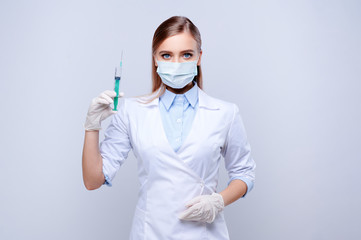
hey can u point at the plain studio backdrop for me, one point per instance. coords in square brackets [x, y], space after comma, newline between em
[292, 67]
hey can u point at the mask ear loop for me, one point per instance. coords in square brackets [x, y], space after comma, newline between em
[196, 76]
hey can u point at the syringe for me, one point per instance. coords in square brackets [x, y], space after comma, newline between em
[117, 77]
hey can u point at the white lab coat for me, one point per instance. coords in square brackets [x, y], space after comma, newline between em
[169, 179]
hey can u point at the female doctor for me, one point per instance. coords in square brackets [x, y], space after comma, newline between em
[178, 134]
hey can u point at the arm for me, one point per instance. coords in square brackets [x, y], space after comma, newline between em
[235, 190]
[238, 161]
[92, 162]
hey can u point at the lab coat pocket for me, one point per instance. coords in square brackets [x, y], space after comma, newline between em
[137, 232]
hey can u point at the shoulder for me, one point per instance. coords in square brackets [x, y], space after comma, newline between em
[210, 102]
[139, 104]
[142, 101]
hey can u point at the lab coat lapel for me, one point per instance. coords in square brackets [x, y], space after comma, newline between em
[205, 104]
[166, 147]
[199, 123]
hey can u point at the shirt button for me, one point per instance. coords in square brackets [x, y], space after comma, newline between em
[178, 139]
[179, 120]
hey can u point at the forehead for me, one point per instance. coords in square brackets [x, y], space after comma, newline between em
[178, 43]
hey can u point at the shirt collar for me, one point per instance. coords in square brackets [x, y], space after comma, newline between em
[205, 101]
[191, 95]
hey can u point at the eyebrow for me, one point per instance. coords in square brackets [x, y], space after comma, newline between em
[166, 51]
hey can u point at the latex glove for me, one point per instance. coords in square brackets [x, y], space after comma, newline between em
[203, 208]
[100, 109]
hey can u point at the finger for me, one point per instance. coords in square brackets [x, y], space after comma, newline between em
[194, 201]
[121, 94]
[106, 97]
[100, 100]
[110, 93]
[185, 215]
[192, 212]
[192, 216]
[107, 113]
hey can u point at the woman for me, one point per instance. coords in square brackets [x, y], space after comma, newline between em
[178, 134]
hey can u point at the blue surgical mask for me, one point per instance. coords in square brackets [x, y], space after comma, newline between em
[175, 74]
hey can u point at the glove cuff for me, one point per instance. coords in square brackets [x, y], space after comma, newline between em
[91, 126]
[218, 200]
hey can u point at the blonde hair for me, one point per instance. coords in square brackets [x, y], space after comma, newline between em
[171, 27]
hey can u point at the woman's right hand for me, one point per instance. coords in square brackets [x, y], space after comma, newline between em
[100, 109]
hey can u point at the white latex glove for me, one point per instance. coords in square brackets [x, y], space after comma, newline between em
[99, 109]
[203, 208]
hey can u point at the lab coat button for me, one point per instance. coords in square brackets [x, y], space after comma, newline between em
[179, 120]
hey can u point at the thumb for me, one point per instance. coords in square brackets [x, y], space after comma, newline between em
[107, 113]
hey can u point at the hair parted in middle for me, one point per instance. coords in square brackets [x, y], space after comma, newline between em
[171, 27]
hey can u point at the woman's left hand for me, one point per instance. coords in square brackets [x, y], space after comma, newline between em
[203, 208]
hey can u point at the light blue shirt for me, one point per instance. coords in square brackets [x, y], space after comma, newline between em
[177, 112]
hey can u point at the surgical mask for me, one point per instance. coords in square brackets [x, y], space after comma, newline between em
[175, 74]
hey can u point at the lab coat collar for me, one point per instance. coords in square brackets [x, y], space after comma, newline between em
[205, 101]
[143, 100]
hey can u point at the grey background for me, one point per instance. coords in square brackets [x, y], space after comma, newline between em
[292, 67]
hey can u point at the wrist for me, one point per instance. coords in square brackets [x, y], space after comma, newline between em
[92, 131]
[219, 200]
[91, 126]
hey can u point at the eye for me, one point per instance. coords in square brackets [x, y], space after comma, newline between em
[187, 55]
[166, 56]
